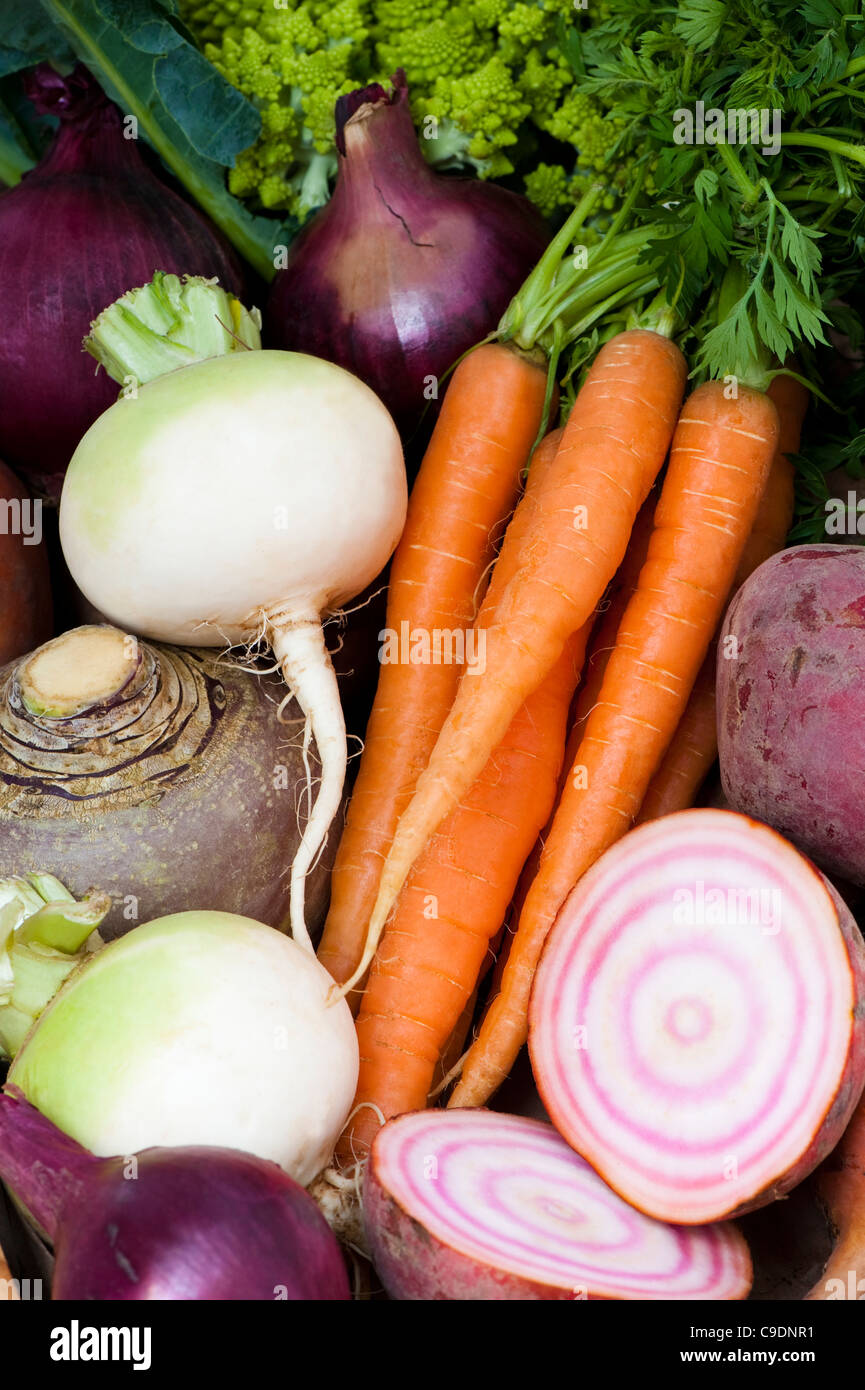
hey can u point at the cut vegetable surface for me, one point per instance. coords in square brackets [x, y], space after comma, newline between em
[697, 1024]
[237, 499]
[468, 1204]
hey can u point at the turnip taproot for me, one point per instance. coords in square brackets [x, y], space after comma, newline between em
[236, 499]
[157, 773]
[791, 701]
[697, 1022]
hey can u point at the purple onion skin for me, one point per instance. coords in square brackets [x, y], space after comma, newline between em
[88, 223]
[181, 1225]
[404, 270]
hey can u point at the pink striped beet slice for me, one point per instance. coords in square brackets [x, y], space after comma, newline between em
[475, 1205]
[697, 1022]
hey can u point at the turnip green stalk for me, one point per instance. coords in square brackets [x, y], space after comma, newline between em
[44, 935]
[170, 323]
[232, 496]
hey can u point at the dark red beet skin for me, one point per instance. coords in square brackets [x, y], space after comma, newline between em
[88, 223]
[791, 704]
[404, 269]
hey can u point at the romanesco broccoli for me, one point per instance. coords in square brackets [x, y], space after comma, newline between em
[491, 90]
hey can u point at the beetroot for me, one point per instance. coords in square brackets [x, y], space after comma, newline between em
[468, 1204]
[791, 701]
[697, 1022]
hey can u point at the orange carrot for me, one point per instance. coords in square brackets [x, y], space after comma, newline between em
[613, 445]
[434, 946]
[692, 751]
[694, 747]
[601, 641]
[453, 1048]
[607, 625]
[516, 533]
[719, 463]
[466, 487]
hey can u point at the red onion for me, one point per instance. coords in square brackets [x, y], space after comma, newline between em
[468, 1204]
[88, 223]
[186, 1224]
[697, 1021]
[404, 269]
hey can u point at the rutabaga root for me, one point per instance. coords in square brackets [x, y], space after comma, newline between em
[298, 644]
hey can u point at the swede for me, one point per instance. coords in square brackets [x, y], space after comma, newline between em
[236, 499]
[157, 773]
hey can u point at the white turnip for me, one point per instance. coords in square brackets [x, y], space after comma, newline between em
[236, 499]
[198, 1028]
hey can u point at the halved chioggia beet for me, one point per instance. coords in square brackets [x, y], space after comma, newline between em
[474, 1205]
[697, 1022]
